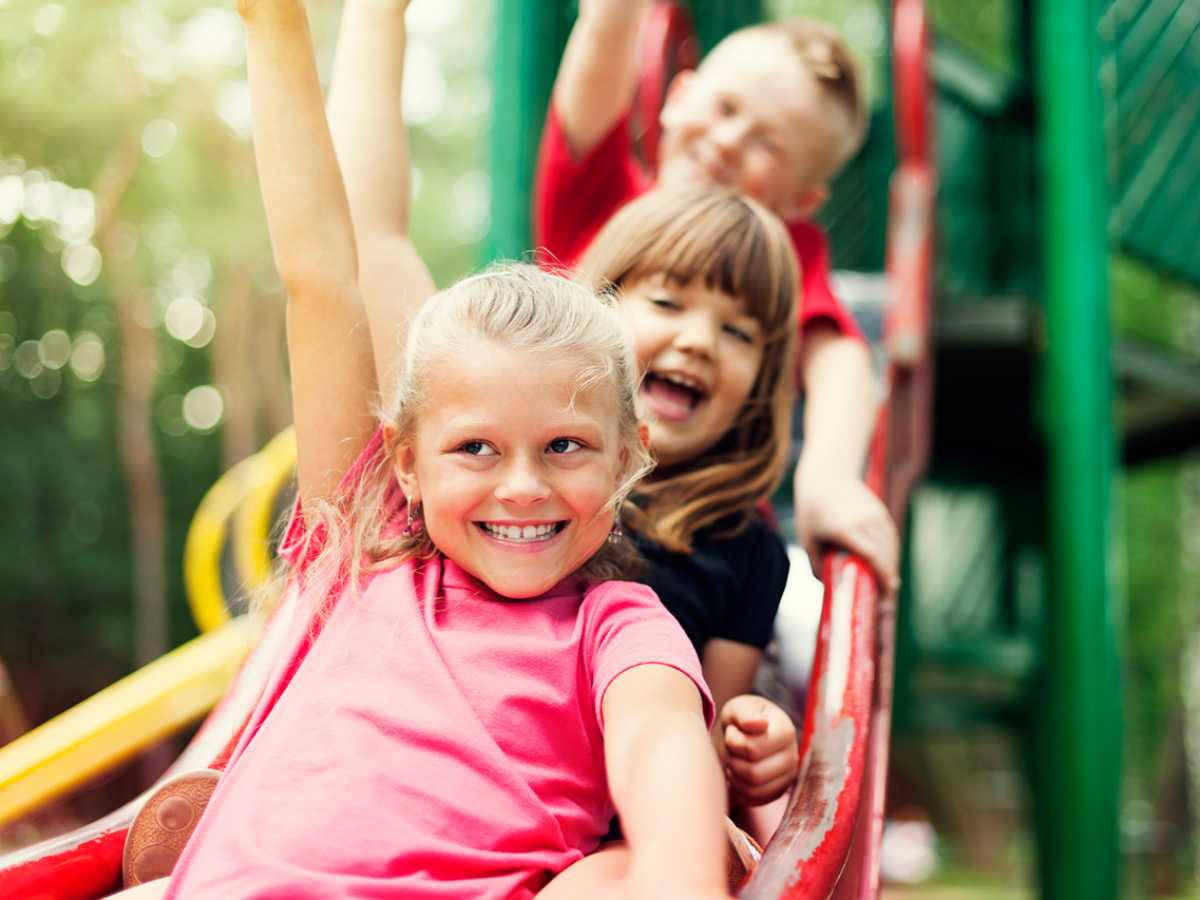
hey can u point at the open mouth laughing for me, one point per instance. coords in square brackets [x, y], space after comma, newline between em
[673, 396]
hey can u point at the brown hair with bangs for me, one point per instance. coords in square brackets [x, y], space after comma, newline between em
[730, 243]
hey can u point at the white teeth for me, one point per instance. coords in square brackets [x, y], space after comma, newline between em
[520, 533]
[684, 380]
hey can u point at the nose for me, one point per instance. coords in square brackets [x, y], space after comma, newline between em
[727, 134]
[521, 482]
[697, 334]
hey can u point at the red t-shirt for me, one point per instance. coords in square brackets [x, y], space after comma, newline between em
[573, 198]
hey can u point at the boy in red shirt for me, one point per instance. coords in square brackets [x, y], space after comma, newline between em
[774, 111]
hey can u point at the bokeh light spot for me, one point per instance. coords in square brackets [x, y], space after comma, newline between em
[208, 327]
[46, 384]
[87, 357]
[47, 19]
[203, 408]
[170, 415]
[184, 318]
[12, 198]
[28, 359]
[54, 349]
[82, 264]
[158, 137]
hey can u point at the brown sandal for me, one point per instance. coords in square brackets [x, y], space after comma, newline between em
[163, 825]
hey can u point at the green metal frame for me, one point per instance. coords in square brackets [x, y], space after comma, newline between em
[1077, 724]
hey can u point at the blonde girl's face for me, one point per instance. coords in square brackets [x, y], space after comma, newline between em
[699, 352]
[514, 466]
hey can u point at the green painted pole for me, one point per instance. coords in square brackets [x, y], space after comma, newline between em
[530, 36]
[1079, 719]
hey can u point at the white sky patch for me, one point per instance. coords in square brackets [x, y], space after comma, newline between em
[233, 107]
[212, 39]
[424, 85]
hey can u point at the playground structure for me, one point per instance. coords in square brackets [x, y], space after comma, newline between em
[1013, 195]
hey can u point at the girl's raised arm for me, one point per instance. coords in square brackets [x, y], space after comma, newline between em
[333, 380]
[365, 117]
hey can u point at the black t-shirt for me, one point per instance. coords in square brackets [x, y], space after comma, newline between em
[727, 587]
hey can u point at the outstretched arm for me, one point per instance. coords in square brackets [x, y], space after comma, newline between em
[599, 68]
[666, 784]
[833, 505]
[333, 381]
[366, 119]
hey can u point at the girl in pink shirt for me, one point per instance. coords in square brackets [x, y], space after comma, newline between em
[466, 694]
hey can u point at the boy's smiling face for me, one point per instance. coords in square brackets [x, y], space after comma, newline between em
[753, 118]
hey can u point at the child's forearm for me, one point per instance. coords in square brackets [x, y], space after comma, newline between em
[599, 69]
[666, 784]
[840, 403]
[313, 240]
[367, 122]
[365, 114]
[307, 212]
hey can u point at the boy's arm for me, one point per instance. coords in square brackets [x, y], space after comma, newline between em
[596, 79]
[333, 382]
[367, 122]
[833, 505]
[665, 783]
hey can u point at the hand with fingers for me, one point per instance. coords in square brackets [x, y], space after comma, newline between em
[758, 750]
[842, 513]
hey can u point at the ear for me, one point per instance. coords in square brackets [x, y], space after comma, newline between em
[644, 434]
[676, 91]
[404, 464]
[805, 202]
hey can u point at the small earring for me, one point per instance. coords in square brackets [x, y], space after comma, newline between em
[616, 533]
[412, 519]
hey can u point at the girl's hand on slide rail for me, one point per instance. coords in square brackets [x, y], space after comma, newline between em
[841, 512]
[759, 750]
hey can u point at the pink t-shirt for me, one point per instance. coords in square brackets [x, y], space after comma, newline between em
[433, 740]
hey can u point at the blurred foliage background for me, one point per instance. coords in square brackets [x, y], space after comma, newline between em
[141, 344]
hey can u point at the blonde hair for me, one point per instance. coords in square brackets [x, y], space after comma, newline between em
[821, 50]
[730, 243]
[516, 306]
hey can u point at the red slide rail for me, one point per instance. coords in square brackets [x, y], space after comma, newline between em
[828, 844]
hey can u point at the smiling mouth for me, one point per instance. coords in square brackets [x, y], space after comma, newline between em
[670, 398]
[522, 534]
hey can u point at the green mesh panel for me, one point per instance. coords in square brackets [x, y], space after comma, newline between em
[1150, 75]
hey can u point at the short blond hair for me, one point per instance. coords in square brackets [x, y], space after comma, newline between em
[822, 51]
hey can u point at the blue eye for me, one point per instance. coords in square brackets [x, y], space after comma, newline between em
[476, 448]
[564, 445]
